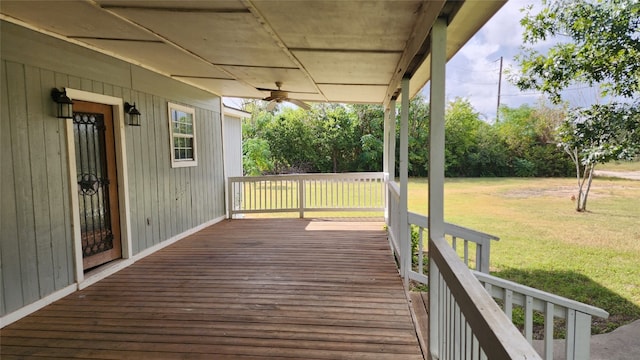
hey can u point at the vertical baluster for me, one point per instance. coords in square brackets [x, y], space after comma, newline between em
[528, 318]
[476, 348]
[457, 343]
[442, 315]
[582, 336]
[253, 195]
[570, 338]
[466, 252]
[468, 342]
[448, 324]
[508, 303]
[548, 331]
[341, 184]
[420, 251]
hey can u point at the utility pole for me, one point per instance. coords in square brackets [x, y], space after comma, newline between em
[499, 88]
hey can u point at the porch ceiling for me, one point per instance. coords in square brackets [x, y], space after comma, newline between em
[339, 51]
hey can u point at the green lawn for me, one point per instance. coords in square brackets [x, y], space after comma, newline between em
[620, 166]
[592, 257]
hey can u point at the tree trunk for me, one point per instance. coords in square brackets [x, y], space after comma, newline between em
[590, 168]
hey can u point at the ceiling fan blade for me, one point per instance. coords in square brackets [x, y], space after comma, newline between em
[272, 105]
[265, 89]
[299, 103]
[269, 98]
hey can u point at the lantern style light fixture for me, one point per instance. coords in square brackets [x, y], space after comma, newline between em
[64, 104]
[134, 114]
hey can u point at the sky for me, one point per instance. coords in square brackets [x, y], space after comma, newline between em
[473, 73]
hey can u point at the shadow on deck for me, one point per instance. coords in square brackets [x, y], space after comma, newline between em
[242, 289]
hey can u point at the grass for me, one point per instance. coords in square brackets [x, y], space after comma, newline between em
[590, 257]
[620, 166]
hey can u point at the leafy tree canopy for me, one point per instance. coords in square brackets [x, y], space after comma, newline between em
[602, 47]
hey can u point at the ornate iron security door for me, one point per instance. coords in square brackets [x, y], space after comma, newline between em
[97, 183]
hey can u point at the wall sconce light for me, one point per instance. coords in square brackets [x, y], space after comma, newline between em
[134, 114]
[65, 105]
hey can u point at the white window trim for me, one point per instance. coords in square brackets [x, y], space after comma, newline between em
[182, 163]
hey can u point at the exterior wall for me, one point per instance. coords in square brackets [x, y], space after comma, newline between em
[36, 236]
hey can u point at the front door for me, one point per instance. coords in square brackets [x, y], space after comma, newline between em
[97, 183]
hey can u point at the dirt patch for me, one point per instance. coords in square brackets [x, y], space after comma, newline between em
[630, 175]
[567, 192]
[562, 191]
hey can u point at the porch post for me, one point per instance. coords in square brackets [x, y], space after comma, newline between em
[405, 240]
[436, 165]
[436, 129]
[389, 152]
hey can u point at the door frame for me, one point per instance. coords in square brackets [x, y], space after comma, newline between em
[117, 105]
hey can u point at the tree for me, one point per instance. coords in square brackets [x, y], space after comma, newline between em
[603, 49]
[256, 157]
[599, 134]
[529, 133]
[462, 124]
[333, 126]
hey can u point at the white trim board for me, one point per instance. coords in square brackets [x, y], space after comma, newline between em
[35, 306]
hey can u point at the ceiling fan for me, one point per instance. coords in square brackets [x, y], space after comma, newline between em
[278, 96]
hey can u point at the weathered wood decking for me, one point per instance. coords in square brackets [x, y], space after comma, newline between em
[242, 289]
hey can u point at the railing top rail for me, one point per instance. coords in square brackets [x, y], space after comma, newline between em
[359, 175]
[556, 299]
[452, 229]
[479, 308]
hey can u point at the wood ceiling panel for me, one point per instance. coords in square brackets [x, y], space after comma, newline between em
[293, 80]
[229, 88]
[73, 19]
[225, 5]
[362, 25]
[221, 38]
[161, 57]
[355, 93]
[349, 68]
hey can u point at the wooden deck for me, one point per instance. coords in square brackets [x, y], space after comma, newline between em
[241, 289]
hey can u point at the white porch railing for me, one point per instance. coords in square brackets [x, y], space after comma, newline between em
[467, 325]
[469, 240]
[350, 192]
[464, 321]
[577, 315]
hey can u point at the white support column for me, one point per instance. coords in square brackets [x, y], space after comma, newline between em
[436, 129]
[391, 166]
[385, 140]
[405, 235]
[385, 163]
[436, 167]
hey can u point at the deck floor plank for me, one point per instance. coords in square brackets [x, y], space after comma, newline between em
[242, 289]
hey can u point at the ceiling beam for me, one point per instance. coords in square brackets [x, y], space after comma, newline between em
[429, 12]
[269, 30]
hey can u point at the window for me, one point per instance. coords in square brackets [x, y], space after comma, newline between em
[182, 127]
